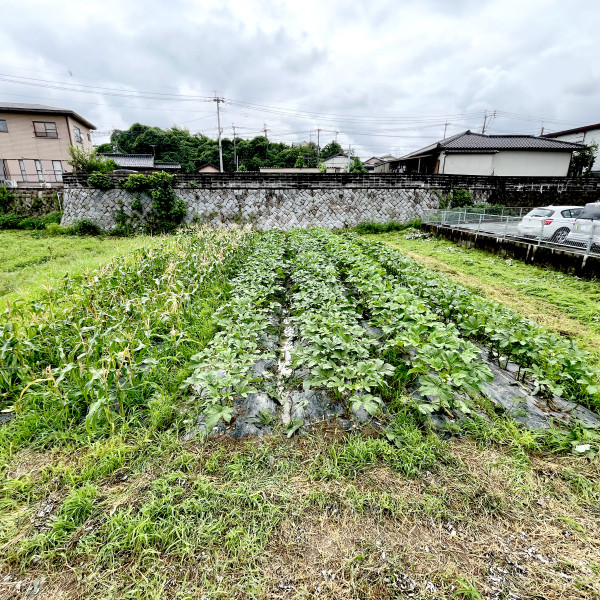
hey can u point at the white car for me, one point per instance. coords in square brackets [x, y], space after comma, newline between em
[552, 223]
[586, 229]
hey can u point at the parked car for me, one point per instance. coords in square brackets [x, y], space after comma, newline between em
[586, 229]
[552, 223]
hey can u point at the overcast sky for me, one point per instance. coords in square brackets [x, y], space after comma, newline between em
[386, 75]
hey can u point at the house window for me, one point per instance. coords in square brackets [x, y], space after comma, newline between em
[89, 137]
[78, 137]
[58, 171]
[40, 172]
[23, 171]
[47, 130]
[3, 125]
[2, 169]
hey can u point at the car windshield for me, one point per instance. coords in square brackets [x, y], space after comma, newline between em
[540, 212]
[591, 211]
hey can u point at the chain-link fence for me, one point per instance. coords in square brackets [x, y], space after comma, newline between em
[577, 235]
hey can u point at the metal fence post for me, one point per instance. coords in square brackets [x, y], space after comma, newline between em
[505, 228]
[479, 225]
[589, 244]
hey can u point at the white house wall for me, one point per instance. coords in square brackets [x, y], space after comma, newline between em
[511, 164]
[532, 164]
[466, 164]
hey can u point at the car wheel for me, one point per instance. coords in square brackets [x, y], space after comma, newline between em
[560, 236]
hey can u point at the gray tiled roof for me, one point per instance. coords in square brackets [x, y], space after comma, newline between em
[477, 142]
[141, 161]
[24, 107]
[144, 161]
[166, 165]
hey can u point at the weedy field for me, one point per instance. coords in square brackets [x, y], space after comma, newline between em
[380, 465]
[31, 260]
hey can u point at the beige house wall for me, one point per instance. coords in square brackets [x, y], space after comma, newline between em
[21, 143]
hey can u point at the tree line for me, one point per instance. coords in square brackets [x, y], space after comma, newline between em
[192, 151]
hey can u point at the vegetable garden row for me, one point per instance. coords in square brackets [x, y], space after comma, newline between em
[186, 325]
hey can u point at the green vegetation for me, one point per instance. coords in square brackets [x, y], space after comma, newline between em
[191, 151]
[100, 180]
[88, 161]
[12, 221]
[6, 197]
[103, 497]
[457, 199]
[366, 227]
[29, 262]
[356, 166]
[168, 210]
[582, 161]
[561, 303]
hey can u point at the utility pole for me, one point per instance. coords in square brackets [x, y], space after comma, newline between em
[486, 121]
[349, 153]
[445, 127]
[218, 101]
[235, 162]
[266, 131]
[318, 144]
[542, 131]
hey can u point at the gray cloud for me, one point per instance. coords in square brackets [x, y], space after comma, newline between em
[400, 70]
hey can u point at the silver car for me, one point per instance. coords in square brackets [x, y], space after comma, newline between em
[586, 229]
[553, 223]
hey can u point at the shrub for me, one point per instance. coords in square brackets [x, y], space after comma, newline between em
[54, 229]
[10, 221]
[6, 197]
[100, 181]
[369, 227]
[88, 161]
[31, 223]
[461, 198]
[136, 183]
[52, 218]
[84, 227]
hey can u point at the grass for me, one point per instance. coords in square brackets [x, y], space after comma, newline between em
[29, 261]
[492, 511]
[258, 519]
[562, 303]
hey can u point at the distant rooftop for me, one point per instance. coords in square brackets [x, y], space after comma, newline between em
[21, 107]
[576, 130]
[141, 161]
[477, 142]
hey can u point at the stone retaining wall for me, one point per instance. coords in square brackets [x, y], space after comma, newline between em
[264, 208]
[329, 200]
[33, 202]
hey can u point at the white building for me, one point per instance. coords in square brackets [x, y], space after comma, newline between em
[588, 135]
[338, 163]
[470, 153]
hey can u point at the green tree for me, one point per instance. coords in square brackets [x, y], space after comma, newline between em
[356, 166]
[582, 161]
[331, 149]
[88, 161]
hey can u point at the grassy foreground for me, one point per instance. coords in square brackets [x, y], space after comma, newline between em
[562, 303]
[29, 260]
[492, 512]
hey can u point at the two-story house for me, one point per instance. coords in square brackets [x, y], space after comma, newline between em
[35, 140]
